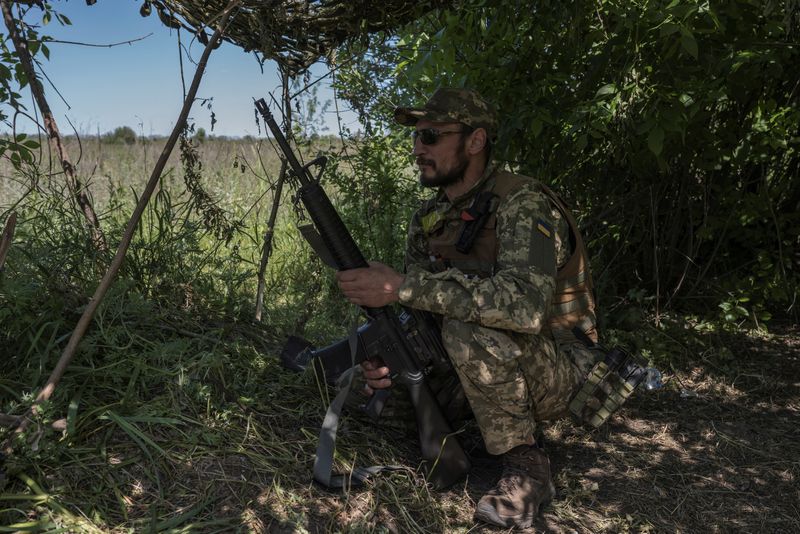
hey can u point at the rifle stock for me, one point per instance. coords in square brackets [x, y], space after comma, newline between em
[446, 460]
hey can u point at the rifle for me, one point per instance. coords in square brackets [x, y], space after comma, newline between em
[387, 339]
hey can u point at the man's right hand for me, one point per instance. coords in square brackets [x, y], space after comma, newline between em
[377, 375]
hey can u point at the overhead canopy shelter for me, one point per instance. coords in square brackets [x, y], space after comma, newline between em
[295, 33]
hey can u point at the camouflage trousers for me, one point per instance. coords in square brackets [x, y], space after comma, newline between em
[508, 381]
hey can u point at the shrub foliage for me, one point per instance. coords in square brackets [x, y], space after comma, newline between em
[671, 126]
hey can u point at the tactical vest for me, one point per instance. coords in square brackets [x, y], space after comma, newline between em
[573, 302]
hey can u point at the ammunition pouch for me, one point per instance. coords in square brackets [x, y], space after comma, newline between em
[609, 384]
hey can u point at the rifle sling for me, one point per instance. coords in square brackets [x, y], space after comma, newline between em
[323, 462]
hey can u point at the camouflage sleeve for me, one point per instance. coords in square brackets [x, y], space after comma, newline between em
[517, 297]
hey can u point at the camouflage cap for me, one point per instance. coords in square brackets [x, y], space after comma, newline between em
[453, 105]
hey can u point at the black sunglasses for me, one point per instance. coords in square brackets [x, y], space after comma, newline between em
[430, 136]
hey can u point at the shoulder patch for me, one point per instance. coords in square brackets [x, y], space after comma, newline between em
[543, 248]
[544, 228]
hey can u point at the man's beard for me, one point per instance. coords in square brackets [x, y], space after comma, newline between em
[440, 179]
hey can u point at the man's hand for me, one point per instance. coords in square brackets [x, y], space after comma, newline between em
[372, 287]
[377, 375]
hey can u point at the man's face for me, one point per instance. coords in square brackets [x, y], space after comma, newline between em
[443, 162]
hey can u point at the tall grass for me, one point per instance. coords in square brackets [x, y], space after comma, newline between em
[175, 413]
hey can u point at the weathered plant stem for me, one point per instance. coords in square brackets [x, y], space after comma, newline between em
[267, 250]
[116, 263]
[7, 237]
[77, 190]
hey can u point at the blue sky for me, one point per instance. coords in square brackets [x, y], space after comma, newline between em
[139, 84]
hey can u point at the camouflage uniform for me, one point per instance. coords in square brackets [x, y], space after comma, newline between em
[495, 328]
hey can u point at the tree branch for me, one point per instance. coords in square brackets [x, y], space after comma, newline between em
[110, 45]
[75, 187]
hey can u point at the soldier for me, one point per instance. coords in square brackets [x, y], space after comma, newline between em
[508, 294]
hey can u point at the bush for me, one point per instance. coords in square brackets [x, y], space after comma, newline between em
[670, 127]
[122, 135]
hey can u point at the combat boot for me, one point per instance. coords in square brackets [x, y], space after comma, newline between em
[523, 488]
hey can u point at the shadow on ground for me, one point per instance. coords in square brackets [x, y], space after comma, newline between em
[717, 450]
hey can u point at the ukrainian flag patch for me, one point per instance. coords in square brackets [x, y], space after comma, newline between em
[544, 228]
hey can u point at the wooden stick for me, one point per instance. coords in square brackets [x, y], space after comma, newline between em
[116, 263]
[267, 250]
[77, 190]
[7, 237]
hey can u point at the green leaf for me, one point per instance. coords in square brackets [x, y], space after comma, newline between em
[142, 439]
[72, 416]
[645, 126]
[536, 127]
[655, 140]
[20, 75]
[607, 89]
[688, 42]
[668, 28]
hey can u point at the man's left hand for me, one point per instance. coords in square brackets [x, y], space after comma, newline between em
[372, 287]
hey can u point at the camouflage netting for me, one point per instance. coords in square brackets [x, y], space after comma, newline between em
[295, 33]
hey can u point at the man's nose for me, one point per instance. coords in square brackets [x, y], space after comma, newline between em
[418, 147]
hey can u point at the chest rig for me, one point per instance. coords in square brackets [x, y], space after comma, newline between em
[467, 240]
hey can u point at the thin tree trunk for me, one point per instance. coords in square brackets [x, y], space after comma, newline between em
[267, 250]
[116, 263]
[73, 183]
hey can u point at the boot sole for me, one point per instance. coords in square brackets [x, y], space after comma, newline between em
[488, 514]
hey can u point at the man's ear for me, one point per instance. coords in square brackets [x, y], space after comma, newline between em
[477, 141]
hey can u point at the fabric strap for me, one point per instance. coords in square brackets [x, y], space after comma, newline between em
[323, 461]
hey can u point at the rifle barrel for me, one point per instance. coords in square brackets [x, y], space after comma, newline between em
[294, 163]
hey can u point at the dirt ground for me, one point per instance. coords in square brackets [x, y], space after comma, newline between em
[715, 450]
